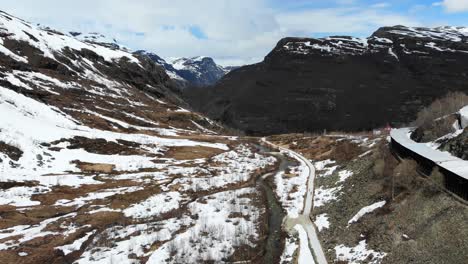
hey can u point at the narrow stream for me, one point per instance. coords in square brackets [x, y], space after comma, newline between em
[275, 213]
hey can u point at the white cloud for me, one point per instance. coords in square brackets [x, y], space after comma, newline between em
[381, 5]
[236, 30]
[454, 5]
[339, 20]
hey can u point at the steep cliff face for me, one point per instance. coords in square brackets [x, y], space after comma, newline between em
[341, 83]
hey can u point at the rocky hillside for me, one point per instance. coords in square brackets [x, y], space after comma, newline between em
[371, 208]
[341, 83]
[190, 72]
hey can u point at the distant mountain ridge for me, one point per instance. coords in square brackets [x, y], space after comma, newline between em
[196, 71]
[341, 82]
[185, 72]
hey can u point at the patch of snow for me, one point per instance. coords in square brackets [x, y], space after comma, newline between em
[321, 221]
[212, 228]
[393, 54]
[102, 194]
[290, 247]
[155, 205]
[28, 232]
[76, 245]
[323, 196]
[358, 254]
[131, 239]
[27, 123]
[366, 210]
[464, 117]
[291, 189]
[365, 154]
[21, 196]
[234, 166]
[344, 174]
[320, 165]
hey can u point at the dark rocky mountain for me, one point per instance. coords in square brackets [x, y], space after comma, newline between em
[341, 82]
[170, 70]
[190, 72]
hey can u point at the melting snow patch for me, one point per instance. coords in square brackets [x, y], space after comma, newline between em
[357, 254]
[80, 201]
[290, 247]
[366, 210]
[320, 165]
[155, 205]
[76, 245]
[321, 221]
[225, 220]
[292, 189]
[464, 116]
[27, 232]
[365, 153]
[323, 196]
[344, 174]
[21, 196]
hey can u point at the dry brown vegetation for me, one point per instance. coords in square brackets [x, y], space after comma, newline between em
[447, 105]
[87, 167]
[190, 153]
[421, 224]
[399, 177]
[13, 152]
[436, 120]
[319, 147]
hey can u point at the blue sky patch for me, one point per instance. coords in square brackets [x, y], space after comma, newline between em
[197, 32]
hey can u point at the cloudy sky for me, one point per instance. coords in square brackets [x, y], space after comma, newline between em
[232, 31]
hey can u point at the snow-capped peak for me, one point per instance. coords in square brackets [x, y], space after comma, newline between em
[195, 71]
[51, 42]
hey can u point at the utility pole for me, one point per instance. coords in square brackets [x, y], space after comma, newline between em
[393, 185]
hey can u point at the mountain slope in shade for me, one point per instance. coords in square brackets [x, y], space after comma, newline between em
[341, 82]
[170, 70]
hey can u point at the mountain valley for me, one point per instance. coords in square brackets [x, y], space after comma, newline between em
[109, 155]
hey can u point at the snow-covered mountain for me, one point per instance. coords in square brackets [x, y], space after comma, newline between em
[97, 38]
[195, 72]
[101, 163]
[199, 71]
[170, 70]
